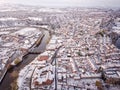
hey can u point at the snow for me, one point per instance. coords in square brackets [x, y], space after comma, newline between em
[26, 46]
[44, 78]
[52, 41]
[22, 74]
[0, 39]
[7, 10]
[27, 31]
[26, 41]
[49, 10]
[8, 18]
[4, 51]
[51, 47]
[8, 44]
[4, 33]
[35, 18]
[44, 26]
[73, 65]
[44, 54]
[116, 27]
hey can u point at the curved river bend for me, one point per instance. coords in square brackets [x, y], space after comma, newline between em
[11, 76]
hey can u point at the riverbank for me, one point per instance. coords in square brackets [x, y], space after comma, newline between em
[26, 59]
[42, 63]
[18, 59]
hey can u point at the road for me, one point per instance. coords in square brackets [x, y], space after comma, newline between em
[54, 60]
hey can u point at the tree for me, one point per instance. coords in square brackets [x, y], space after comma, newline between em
[17, 60]
[79, 53]
[99, 85]
[101, 33]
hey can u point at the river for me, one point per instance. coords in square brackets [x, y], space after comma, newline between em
[11, 75]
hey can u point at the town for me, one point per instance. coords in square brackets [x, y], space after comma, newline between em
[82, 53]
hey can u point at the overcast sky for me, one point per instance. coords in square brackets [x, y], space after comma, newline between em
[64, 3]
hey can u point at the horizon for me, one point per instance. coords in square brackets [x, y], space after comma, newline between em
[66, 3]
